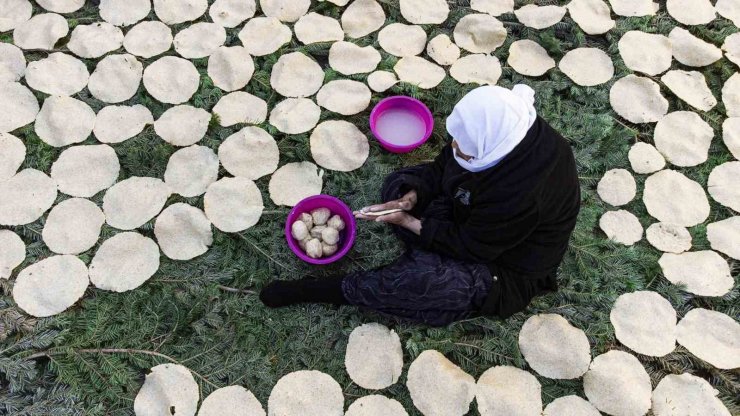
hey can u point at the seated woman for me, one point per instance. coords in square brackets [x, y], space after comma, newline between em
[486, 224]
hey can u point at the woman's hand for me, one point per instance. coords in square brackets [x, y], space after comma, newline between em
[406, 203]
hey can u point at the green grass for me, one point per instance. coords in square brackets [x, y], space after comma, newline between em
[193, 313]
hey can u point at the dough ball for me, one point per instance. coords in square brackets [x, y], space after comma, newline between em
[540, 17]
[264, 35]
[12, 63]
[731, 135]
[182, 125]
[124, 12]
[171, 80]
[645, 158]
[315, 28]
[307, 219]
[439, 387]
[13, 253]
[13, 13]
[251, 152]
[148, 39]
[190, 170]
[294, 182]
[339, 145]
[116, 78]
[134, 201]
[691, 12]
[233, 204]
[587, 66]
[617, 384]
[231, 13]
[63, 121]
[306, 392]
[420, 72]
[50, 286]
[174, 12]
[285, 10]
[73, 226]
[692, 51]
[380, 81]
[690, 86]
[296, 75]
[724, 236]
[57, 74]
[686, 393]
[115, 124]
[638, 99]
[199, 40]
[479, 33]
[505, 390]
[621, 226]
[95, 40]
[669, 238]
[553, 347]
[295, 115]
[631, 8]
[570, 406]
[231, 400]
[648, 53]
[375, 405]
[230, 68]
[442, 50]
[336, 223]
[12, 155]
[477, 69]
[83, 171]
[328, 249]
[729, 9]
[374, 357]
[722, 185]
[645, 322]
[492, 7]
[124, 262]
[316, 231]
[529, 58]
[402, 40]
[617, 187]
[344, 96]
[424, 12]
[362, 17]
[240, 107]
[299, 230]
[167, 387]
[731, 95]
[350, 59]
[183, 232]
[711, 336]
[683, 138]
[703, 273]
[671, 197]
[320, 216]
[42, 31]
[26, 196]
[593, 16]
[314, 249]
[330, 236]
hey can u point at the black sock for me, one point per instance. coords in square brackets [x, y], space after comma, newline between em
[282, 293]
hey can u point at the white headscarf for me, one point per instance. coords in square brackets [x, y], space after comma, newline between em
[489, 122]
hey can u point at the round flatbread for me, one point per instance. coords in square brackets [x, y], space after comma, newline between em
[12, 155]
[13, 253]
[374, 357]
[349, 59]
[692, 51]
[711, 336]
[18, 106]
[296, 75]
[648, 53]
[339, 145]
[344, 96]
[95, 40]
[731, 95]
[420, 72]
[587, 66]
[617, 384]
[315, 28]
[492, 7]
[621, 226]
[50, 286]
[26, 196]
[570, 406]
[402, 40]
[306, 392]
[285, 10]
[645, 158]
[12, 63]
[190, 170]
[638, 99]
[173, 12]
[691, 12]
[540, 17]
[690, 86]
[295, 115]
[42, 31]
[645, 322]
[380, 81]
[479, 33]
[731, 47]
[231, 13]
[233, 204]
[57, 74]
[115, 124]
[439, 387]
[425, 12]
[63, 121]
[294, 182]
[375, 405]
[669, 238]
[671, 197]
[61, 6]
[685, 392]
[230, 68]
[124, 12]
[251, 152]
[73, 226]
[724, 236]
[231, 401]
[593, 16]
[632, 8]
[171, 80]
[722, 185]
[13, 13]
[124, 262]
[683, 138]
[199, 40]
[553, 347]
[240, 107]
[264, 35]
[167, 387]
[83, 171]
[617, 187]
[442, 50]
[729, 9]
[731, 135]
[182, 125]
[476, 69]
[132, 202]
[703, 273]
[527, 57]
[116, 78]
[183, 232]
[148, 39]
[505, 390]
[362, 17]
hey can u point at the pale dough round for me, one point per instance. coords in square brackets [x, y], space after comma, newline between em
[671, 197]
[669, 238]
[570, 406]
[621, 226]
[264, 35]
[593, 16]
[231, 13]
[51, 285]
[173, 12]
[420, 72]
[124, 12]
[731, 46]
[116, 78]
[13, 253]
[692, 51]
[711, 336]
[645, 322]
[553, 347]
[12, 63]
[424, 12]
[724, 236]
[375, 405]
[731, 135]
[439, 387]
[617, 384]
[691, 12]
[251, 152]
[63, 121]
[167, 387]
[402, 40]
[183, 232]
[374, 357]
[638, 99]
[148, 39]
[617, 187]
[73, 226]
[61, 6]
[83, 171]
[631, 8]
[723, 185]
[703, 273]
[527, 57]
[294, 182]
[230, 68]
[729, 9]
[285, 10]
[182, 125]
[199, 40]
[587, 66]
[231, 401]
[95, 40]
[12, 155]
[648, 53]
[296, 75]
[171, 80]
[505, 390]
[124, 262]
[13, 13]
[134, 201]
[479, 33]
[115, 124]
[380, 81]
[683, 138]
[26, 196]
[240, 107]
[190, 170]
[645, 158]
[362, 17]
[57, 74]
[540, 17]
[306, 392]
[315, 28]
[295, 115]
[492, 7]
[344, 96]
[476, 69]
[690, 86]
[686, 394]
[42, 31]
[731, 95]
[233, 204]
[442, 50]
[350, 59]
[339, 145]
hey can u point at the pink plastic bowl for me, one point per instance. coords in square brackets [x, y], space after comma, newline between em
[413, 108]
[346, 236]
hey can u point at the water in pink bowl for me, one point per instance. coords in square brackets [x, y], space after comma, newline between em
[400, 126]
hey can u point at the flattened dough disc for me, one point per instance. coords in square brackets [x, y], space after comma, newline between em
[51, 285]
[183, 232]
[124, 262]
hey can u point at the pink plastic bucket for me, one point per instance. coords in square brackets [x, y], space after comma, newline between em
[346, 236]
[401, 124]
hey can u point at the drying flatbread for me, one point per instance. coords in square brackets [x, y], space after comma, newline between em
[638, 99]
[134, 201]
[374, 357]
[231, 401]
[115, 124]
[50, 286]
[349, 59]
[722, 185]
[12, 63]
[251, 152]
[731, 95]
[731, 46]
[479, 33]
[116, 78]
[73, 226]
[621, 226]
[380, 81]
[83, 171]
[148, 39]
[476, 69]
[13, 253]
[264, 35]
[692, 51]
[587, 66]
[703, 273]
[442, 50]
[492, 7]
[233, 204]
[683, 138]
[171, 80]
[296, 75]
[26, 196]
[307, 392]
[294, 182]
[645, 322]
[617, 187]
[231, 13]
[339, 145]
[438, 387]
[344, 96]
[124, 262]
[375, 405]
[711, 336]
[314, 28]
[18, 106]
[42, 31]
[617, 384]
[295, 115]
[425, 12]
[671, 197]
[285, 10]
[190, 170]
[539, 17]
[173, 12]
[57, 74]
[61, 6]
[527, 57]
[645, 158]
[691, 12]
[505, 390]
[199, 40]
[12, 155]
[182, 125]
[690, 86]
[724, 236]
[593, 16]
[169, 389]
[230, 68]
[362, 17]
[669, 238]
[183, 232]
[63, 121]
[553, 347]
[402, 40]
[240, 107]
[630, 8]
[420, 72]
[731, 135]
[684, 393]
[648, 53]
[13, 13]
[124, 12]
[95, 40]
[729, 9]
[570, 406]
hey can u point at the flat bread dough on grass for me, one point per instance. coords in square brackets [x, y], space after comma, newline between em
[296, 75]
[182, 125]
[42, 31]
[671, 197]
[540, 17]
[251, 152]
[505, 390]
[680, 394]
[57, 74]
[148, 39]
[554, 348]
[13, 253]
[476, 69]
[492, 7]
[691, 12]
[13, 13]
[729, 9]
[285, 10]
[306, 392]
[425, 12]
[669, 238]
[692, 51]
[374, 357]
[402, 40]
[26, 196]
[166, 388]
[350, 59]
[703, 273]
[190, 170]
[648, 53]
[83, 171]
[183, 232]
[587, 66]
[380, 81]
[420, 72]
[12, 155]
[295, 115]
[723, 185]
[731, 47]
[51, 285]
[12, 63]
[362, 17]
[442, 50]
[124, 12]
[621, 226]
[711, 336]
[173, 12]
[231, 401]
[61, 6]
[264, 35]
[95, 40]
[117, 123]
[724, 236]
[344, 96]
[690, 86]
[638, 99]
[240, 107]
[124, 262]
[438, 387]
[63, 121]
[731, 135]
[375, 405]
[231, 13]
[617, 187]
[116, 78]
[339, 145]
[731, 95]
[233, 204]
[617, 384]
[593, 16]
[171, 80]
[230, 68]
[315, 28]
[199, 40]
[73, 226]
[527, 57]
[134, 201]
[479, 33]
[645, 158]
[645, 322]
[570, 406]
[631, 8]
[683, 138]
[293, 182]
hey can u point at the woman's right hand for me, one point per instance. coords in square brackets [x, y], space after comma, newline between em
[406, 203]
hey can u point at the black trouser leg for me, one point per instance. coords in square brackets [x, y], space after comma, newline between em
[282, 293]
